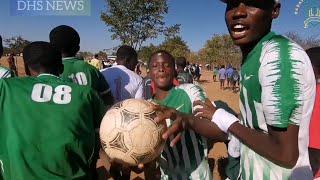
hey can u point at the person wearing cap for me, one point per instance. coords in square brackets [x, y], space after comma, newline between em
[314, 142]
[276, 98]
[47, 124]
[4, 72]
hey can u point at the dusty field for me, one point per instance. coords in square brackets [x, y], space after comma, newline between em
[218, 151]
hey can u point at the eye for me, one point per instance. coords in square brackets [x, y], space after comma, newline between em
[166, 65]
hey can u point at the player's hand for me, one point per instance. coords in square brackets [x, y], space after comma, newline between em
[205, 110]
[178, 125]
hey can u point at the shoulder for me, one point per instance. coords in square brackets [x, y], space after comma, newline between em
[279, 48]
[5, 72]
[194, 92]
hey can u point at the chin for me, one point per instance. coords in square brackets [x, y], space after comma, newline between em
[165, 87]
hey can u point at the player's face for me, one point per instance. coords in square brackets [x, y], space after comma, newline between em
[162, 71]
[249, 20]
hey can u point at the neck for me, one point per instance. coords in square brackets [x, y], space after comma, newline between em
[161, 94]
[64, 55]
[246, 49]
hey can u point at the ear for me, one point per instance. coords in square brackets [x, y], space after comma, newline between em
[276, 10]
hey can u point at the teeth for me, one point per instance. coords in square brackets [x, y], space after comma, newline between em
[238, 26]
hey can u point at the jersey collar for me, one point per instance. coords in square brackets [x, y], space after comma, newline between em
[68, 58]
[46, 75]
[260, 44]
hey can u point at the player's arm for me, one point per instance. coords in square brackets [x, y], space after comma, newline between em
[202, 126]
[139, 93]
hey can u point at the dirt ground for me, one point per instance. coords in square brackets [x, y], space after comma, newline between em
[218, 151]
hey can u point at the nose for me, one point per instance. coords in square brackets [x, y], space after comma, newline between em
[240, 11]
[161, 68]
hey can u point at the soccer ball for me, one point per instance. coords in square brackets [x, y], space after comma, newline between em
[129, 135]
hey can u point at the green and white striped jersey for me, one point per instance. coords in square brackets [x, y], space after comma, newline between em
[188, 159]
[277, 89]
[5, 73]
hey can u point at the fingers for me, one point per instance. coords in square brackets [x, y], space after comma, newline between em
[175, 140]
[165, 113]
[175, 128]
[198, 103]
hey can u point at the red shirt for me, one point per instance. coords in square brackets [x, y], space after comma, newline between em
[314, 141]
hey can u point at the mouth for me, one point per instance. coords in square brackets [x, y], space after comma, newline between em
[239, 30]
[162, 78]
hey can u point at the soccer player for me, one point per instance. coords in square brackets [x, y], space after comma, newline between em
[229, 73]
[222, 76]
[4, 72]
[124, 82]
[188, 159]
[277, 95]
[183, 76]
[47, 124]
[314, 142]
[67, 40]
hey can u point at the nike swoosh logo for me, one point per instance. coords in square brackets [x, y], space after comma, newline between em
[178, 108]
[247, 77]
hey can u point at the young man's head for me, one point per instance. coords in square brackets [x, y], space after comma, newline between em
[66, 40]
[250, 20]
[96, 56]
[127, 57]
[1, 47]
[42, 57]
[162, 70]
[314, 55]
[181, 63]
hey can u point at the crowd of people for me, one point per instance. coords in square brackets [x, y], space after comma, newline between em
[50, 119]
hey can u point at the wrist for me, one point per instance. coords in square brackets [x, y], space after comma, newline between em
[223, 119]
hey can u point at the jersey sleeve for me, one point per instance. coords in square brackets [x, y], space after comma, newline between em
[101, 86]
[287, 84]
[139, 93]
[194, 92]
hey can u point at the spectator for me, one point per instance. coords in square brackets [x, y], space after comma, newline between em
[222, 77]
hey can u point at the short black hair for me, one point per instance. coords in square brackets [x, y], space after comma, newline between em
[126, 53]
[40, 55]
[96, 55]
[162, 53]
[314, 55]
[66, 39]
[1, 47]
[181, 62]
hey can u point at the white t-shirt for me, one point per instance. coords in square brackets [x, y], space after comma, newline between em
[124, 83]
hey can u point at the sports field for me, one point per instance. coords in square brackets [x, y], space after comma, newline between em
[213, 91]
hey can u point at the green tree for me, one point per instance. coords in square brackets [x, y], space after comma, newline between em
[176, 46]
[146, 51]
[15, 44]
[135, 21]
[220, 49]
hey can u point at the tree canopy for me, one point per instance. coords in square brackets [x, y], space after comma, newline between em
[15, 45]
[135, 21]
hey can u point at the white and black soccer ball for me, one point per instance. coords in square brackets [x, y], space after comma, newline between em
[129, 135]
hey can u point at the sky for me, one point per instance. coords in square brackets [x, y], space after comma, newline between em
[199, 19]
